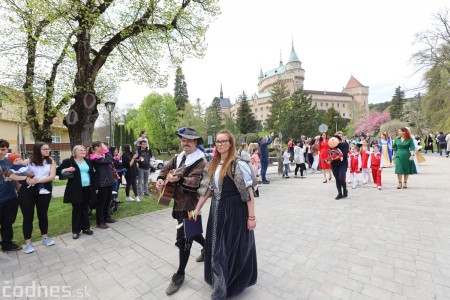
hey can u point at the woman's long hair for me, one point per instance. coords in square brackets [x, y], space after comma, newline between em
[127, 151]
[37, 158]
[226, 166]
[321, 138]
[407, 135]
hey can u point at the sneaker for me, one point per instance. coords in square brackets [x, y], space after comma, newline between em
[354, 187]
[48, 241]
[75, 235]
[114, 192]
[130, 199]
[88, 232]
[29, 248]
[338, 197]
[137, 199]
[44, 192]
[11, 246]
[295, 176]
[286, 177]
[379, 188]
[175, 284]
[266, 182]
[146, 194]
[345, 195]
[201, 257]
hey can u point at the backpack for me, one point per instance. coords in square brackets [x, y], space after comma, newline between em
[254, 180]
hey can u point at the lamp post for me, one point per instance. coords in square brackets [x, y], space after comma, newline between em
[110, 108]
[121, 123]
[213, 127]
[336, 118]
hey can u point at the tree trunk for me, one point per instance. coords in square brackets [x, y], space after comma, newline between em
[81, 132]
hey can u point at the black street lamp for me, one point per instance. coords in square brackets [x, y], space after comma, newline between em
[336, 118]
[110, 108]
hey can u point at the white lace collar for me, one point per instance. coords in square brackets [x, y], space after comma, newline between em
[191, 158]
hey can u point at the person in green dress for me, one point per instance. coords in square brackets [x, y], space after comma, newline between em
[403, 152]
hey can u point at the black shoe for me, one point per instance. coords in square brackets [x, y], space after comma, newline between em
[266, 182]
[345, 194]
[175, 284]
[75, 236]
[338, 197]
[201, 257]
[110, 220]
[88, 232]
[11, 246]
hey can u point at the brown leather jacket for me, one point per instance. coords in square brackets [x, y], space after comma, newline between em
[185, 195]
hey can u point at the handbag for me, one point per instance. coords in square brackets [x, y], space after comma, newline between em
[66, 175]
[116, 175]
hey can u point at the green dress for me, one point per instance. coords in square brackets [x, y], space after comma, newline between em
[402, 150]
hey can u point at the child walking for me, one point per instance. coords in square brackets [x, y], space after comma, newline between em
[286, 161]
[299, 159]
[365, 154]
[376, 163]
[255, 161]
[355, 165]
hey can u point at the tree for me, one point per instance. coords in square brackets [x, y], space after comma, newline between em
[157, 114]
[181, 96]
[299, 116]
[198, 109]
[434, 57]
[245, 120]
[328, 119]
[103, 41]
[372, 122]
[187, 118]
[278, 94]
[398, 100]
[214, 117]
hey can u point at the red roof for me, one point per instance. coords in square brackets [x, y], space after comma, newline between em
[353, 82]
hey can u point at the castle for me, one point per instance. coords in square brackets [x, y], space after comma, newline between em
[351, 102]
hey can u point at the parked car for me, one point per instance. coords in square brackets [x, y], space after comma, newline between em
[156, 163]
[208, 154]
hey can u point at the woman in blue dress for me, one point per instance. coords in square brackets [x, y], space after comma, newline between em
[230, 251]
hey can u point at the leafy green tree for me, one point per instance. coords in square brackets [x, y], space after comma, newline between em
[278, 94]
[157, 114]
[230, 124]
[187, 118]
[328, 119]
[299, 116]
[214, 117]
[245, 121]
[181, 96]
[398, 100]
[198, 109]
[58, 52]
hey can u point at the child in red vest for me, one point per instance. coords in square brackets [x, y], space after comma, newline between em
[355, 165]
[375, 163]
[365, 154]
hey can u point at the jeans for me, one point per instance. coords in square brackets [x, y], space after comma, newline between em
[264, 166]
[339, 174]
[143, 181]
[286, 170]
[8, 213]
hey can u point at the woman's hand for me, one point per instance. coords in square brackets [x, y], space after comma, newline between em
[71, 169]
[411, 157]
[196, 211]
[251, 224]
[159, 184]
[32, 181]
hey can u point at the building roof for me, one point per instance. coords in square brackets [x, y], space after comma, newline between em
[225, 102]
[353, 82]
[293, 57]
[277, 71]
[311, 92]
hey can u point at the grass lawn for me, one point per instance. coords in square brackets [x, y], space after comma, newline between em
[58, 182]
[60, 216]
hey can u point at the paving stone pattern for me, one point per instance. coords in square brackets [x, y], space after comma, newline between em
[388, 244]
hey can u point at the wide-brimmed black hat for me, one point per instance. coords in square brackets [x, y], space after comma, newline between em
[190, 134]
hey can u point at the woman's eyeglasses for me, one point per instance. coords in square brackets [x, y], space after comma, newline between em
[221, 142]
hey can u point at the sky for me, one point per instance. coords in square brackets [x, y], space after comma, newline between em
[373, 40]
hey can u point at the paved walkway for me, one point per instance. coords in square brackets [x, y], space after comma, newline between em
[389, 244]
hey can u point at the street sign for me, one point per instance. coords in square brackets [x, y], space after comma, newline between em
[323, 128]
[210, 140]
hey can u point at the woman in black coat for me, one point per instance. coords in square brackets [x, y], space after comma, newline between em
[78, 189]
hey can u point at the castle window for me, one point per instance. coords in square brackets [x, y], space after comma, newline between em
[338, 105]
[343, 114]
[267, 108]
[321, 104]
[262, 117]
[261, 109]
[256, 110]
[326, 104]
[56, 138]
[343, 104]
[332, 104]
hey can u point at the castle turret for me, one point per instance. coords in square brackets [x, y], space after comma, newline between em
[360, 94]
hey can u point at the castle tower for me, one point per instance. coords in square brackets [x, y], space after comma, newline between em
[360, 94]
[294, 68]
